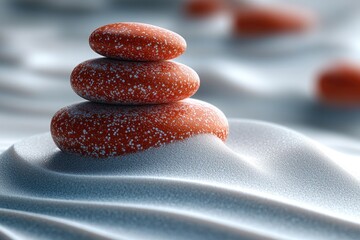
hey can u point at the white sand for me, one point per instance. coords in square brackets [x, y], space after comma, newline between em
[267, 181]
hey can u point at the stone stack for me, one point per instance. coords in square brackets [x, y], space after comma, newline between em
[137, 97]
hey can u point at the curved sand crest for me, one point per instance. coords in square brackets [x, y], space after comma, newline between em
[267, 181]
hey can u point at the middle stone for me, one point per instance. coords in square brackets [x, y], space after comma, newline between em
[111, 81]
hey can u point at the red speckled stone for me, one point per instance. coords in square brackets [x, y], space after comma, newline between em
[100, 130]
[136, 42]
[122, 82]
[254, 21]
[339, 84]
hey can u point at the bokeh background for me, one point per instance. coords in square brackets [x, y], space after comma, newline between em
[264, 78]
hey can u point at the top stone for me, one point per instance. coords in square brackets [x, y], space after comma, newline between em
[136, 42]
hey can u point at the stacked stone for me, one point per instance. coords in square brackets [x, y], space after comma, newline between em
[138, 98]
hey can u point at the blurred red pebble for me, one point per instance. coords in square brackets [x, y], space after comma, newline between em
[255, 21]
[339, 84]
[204, 8]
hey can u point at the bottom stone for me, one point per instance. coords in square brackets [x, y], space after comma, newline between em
[100, 130]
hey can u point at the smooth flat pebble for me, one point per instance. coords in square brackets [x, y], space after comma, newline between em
[100, 130]
[136, 42]
[122, 82]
